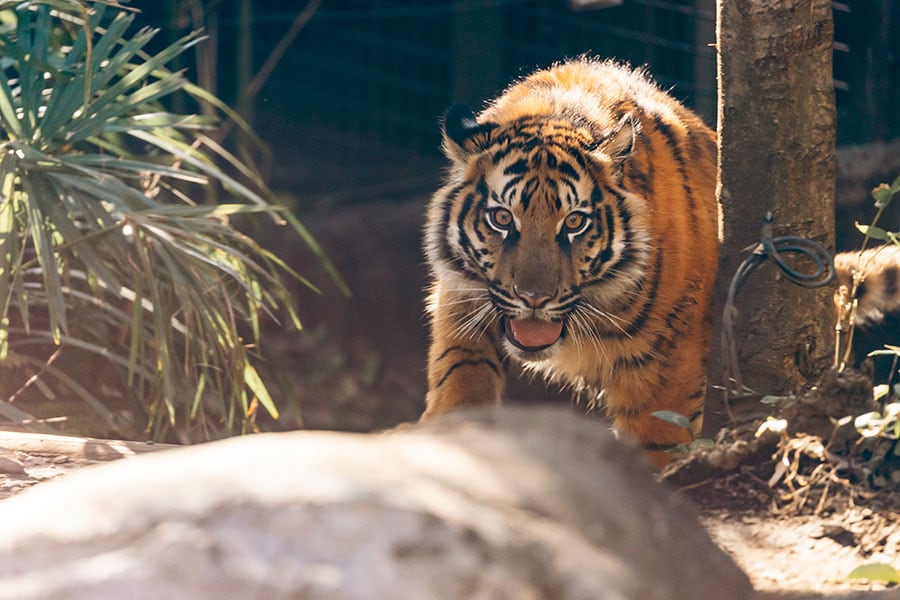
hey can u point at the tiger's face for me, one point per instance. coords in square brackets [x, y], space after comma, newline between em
[536, 229]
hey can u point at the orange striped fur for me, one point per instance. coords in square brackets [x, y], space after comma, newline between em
[577, 233]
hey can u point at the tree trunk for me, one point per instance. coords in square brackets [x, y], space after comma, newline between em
[776, 137]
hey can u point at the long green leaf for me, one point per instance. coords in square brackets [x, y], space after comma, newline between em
[163, 341]
[8, 241]
[67, 95]
[49, 262]
[205, 96]
[29, 92]
[189, 156]
[135, 347]
[134, 74]
[8, 102]
[61, 222]
[108, 189]
[108, 164]
[253, 381]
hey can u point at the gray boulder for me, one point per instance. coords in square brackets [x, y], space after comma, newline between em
[509, 503]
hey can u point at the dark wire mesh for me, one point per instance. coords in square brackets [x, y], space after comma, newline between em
[364, 84]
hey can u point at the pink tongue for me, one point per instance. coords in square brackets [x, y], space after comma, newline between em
[535, 333]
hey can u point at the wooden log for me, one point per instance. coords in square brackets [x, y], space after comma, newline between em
[76, 447]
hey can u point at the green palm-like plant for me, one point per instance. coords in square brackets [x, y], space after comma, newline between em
[102, 248]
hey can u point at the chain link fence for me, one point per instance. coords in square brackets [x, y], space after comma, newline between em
[352, 109]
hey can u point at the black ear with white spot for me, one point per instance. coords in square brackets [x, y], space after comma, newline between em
[617, 143]
[463, 134]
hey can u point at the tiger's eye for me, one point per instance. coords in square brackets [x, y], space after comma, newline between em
[575, 221]
[500, 218]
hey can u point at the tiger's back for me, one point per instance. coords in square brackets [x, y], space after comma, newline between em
[577, 233]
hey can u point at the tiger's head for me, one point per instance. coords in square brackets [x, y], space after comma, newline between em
[534, 227]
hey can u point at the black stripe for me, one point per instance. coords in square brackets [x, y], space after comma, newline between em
[464, 211]
[570, 295]
[678, 156]
[503, 146]
[476, 362]
[637, 361]
[606, 254]
[640, 320]
[577, 156]
[508, 185]
[654, 447]
[573, 193]
[640, 170]
[500, 298]
[449, 201]
[461, 218]
[568, 170]
[890, 282]
[464, 241]
[462, 349]
[471, 352]
[517, 168]
[528, 191]
[550, 159]
[630, 254]
[553, 192]
[481, 187]
[702, 147]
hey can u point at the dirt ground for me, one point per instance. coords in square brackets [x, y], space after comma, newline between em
[791, 555]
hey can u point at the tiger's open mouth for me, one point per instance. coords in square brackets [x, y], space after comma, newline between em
[533, 335]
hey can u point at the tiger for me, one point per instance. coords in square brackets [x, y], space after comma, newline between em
[576, 233]
[867, 299]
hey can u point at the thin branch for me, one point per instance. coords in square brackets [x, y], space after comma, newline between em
[36, 376]
[280, 49]
[259, 80]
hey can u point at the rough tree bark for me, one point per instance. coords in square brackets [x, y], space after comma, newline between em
[776, 121]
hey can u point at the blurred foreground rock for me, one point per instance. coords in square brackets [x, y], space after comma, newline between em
[513, 503]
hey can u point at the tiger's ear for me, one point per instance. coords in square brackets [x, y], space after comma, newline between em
[617, 142]
[463, 134]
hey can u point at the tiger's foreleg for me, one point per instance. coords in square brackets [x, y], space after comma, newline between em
[633, 397]
[465, 367]
[658, 437]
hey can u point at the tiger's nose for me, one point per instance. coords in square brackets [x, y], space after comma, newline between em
[534, 299]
